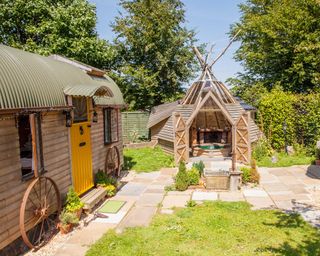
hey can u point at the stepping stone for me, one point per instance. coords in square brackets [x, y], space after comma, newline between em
[231, 196]
[148, 175]
[260, 203]
[112, 218]
[149, 200]
[169, 171]
[204, 196]
[254, 193]
[138, 216]
[171, 201]
[132, 189]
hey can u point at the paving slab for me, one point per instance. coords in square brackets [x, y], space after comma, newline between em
[260, 203]
[148, 175]
[254, 192]
[166, 211]
[150, 200]
[231, 196]
[276, 187]
[138, 216]
[169, 171]
[154, 191]
[132, 189]
[71, 249]
[284, 205]
[204, 196]
[171, 201]
[179, 193]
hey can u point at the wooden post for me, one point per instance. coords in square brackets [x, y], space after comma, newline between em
[32, 121]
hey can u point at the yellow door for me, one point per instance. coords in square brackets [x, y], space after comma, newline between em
[81, 157]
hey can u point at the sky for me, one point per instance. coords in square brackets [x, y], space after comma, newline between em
[211, 19]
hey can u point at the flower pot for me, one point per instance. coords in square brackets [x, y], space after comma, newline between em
[318, 162]
[78, 213]
[64, 229]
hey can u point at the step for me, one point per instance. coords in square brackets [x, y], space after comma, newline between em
[93, 197]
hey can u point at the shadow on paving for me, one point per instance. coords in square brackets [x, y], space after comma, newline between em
[313, 171]
[309, 246]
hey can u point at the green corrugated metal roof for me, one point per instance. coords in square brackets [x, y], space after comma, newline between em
[29, 80]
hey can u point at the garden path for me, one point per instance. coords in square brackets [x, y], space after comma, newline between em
[294, 188]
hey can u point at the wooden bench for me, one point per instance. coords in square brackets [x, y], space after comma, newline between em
[92, 198]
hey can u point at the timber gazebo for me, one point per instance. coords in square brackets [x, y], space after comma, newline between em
[208, 121]
[60, 122]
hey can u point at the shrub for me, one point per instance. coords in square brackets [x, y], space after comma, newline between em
[262, 149]
[255, 176]
[246, 174]
[199, 166]
[73, 202]
[193, 176]
[111, 190]
[102, 179]
[182, 179]
[66, 218]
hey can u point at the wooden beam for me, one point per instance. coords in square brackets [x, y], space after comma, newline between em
[32, 120]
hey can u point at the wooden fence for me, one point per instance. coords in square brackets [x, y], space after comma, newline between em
[134, 126]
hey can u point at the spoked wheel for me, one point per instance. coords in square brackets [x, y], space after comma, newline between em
[113, 161]
[39, 211]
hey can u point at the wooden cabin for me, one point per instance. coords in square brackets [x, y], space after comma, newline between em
[59, 122]
[208, 121]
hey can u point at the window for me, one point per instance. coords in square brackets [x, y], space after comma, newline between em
[80, 109]
[110, 125]
[25, 141]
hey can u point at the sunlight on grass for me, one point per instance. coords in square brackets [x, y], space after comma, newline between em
[285, 160]
[146, 159]
[218, 228]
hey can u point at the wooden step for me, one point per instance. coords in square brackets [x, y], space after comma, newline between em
[92, 198]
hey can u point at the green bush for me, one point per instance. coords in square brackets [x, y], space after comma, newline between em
[66, 218]
[245, 174]
[193, 176]
[199, 166]
[261, 149]
[102, 179]
[182, 179]
[191, 203]
[73, 202]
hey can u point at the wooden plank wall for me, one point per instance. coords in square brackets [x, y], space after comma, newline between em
[56, 162]
[99, 149]
[167, 146]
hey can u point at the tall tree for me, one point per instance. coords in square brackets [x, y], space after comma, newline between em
[65, 27]
[280, 43]
[154, 51]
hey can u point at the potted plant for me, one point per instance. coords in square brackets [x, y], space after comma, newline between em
[73, 203]
[67, 221]
[317, 156]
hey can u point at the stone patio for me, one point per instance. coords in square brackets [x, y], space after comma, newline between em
[294, 188]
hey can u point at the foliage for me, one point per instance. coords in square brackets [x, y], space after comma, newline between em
[104, 180]
[155, 57]
[193, 176]
[146, 159]
[246, 174]
[280, 43]
[73, 202]
[317, 153]
[65, 27]
[67, 217]
[171, 187]
[286, 160]
[111, 190]
[215, 228]
[199, 166]
[191, 203]
[261, 149]
[182, 179]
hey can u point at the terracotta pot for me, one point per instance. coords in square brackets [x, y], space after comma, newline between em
[64, 229]
[78, 213]
[318, 162]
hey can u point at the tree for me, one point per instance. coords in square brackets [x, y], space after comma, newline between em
[155, 57]
[280, 43]
[65, 27]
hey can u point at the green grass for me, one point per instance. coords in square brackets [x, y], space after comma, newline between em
[285, 160]
[146, 159]
[219, 228]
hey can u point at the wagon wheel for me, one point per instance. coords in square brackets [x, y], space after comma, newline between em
[113, 161]
[39, 211]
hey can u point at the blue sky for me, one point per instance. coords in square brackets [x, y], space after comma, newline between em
[211, 19]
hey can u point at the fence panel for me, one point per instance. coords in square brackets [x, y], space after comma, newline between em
[134, 126]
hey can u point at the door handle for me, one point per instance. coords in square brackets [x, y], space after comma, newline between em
[82, 144]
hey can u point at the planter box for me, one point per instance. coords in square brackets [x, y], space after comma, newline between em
[217, 180]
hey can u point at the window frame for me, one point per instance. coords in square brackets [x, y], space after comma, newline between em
[110, 125]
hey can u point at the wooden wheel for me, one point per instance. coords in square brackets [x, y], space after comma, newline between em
[39, 211]
[112, 165]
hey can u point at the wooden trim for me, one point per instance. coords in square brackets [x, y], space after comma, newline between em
[104, 123]
[34, 144]
[33, 110]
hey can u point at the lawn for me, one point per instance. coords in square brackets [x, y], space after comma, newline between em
[146, 159]
[219, 228]
[285, 160]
